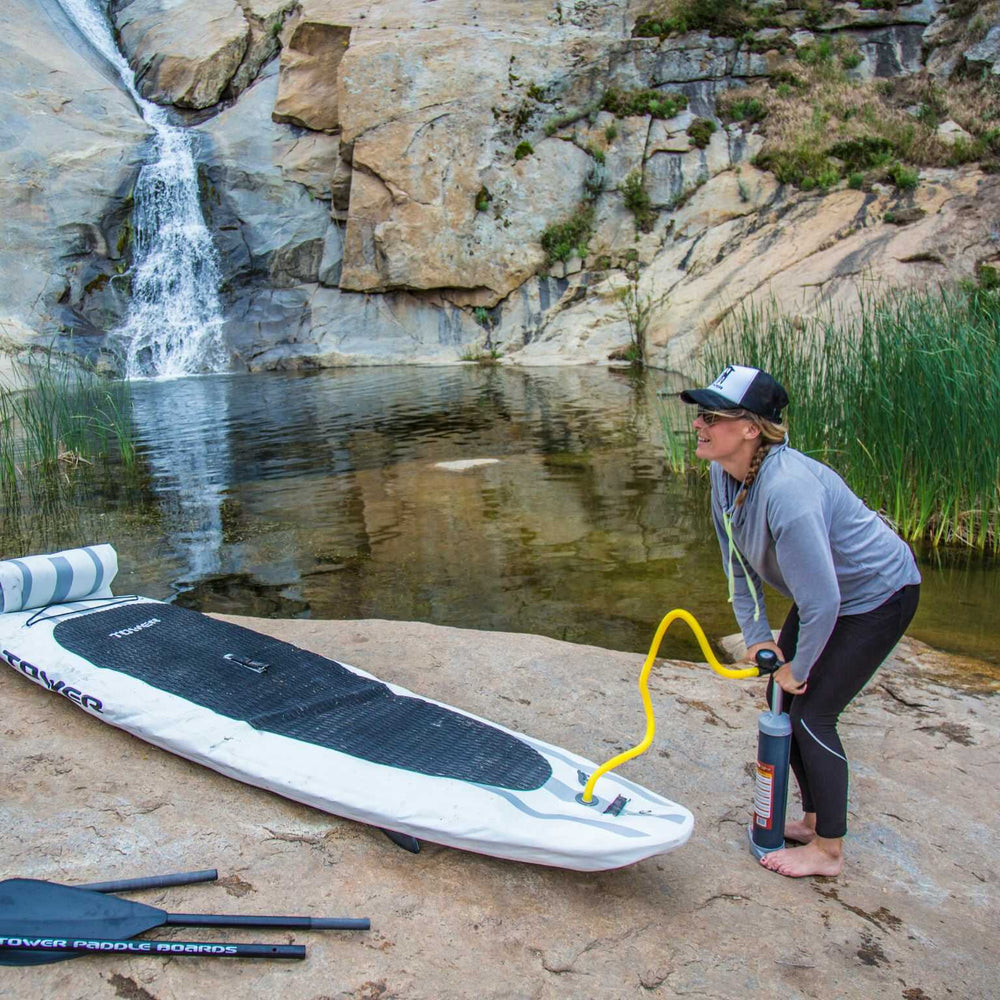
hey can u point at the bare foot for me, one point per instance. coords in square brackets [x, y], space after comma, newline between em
[800, 831]
[810, 859]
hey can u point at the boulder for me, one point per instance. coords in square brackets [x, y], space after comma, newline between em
[985, 55]
[184, 52]
[307, 88]
[413, 177]
[265, 19]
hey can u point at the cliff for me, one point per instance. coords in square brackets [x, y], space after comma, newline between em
[425, 182]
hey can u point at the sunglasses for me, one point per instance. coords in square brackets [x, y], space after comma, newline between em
[710, 417]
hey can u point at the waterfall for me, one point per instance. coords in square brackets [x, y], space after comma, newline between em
[174, 325]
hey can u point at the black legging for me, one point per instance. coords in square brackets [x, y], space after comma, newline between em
[855, 650]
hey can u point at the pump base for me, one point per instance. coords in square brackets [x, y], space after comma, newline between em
[755, 849]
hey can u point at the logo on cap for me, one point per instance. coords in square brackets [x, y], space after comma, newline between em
[723, 375]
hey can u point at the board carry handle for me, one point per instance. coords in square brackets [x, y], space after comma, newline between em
[152, 881]
[13, 947]
[587, 796]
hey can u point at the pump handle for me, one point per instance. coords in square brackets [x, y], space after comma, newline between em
[767, 661]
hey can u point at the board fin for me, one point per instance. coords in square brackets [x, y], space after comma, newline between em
[403, 840]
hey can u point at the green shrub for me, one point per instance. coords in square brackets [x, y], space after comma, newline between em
[816, 13]
[657, 103]
[483, 199]
[905, 178]
[742, 109]
[856, 181]
[801, 165]
[864, 153]
[562, 239]
[596, 180]
[815, 53]
[718, 17]
[611, 132]
[638, 202]
[700, 131]
[785, 75]
[988, 277]
[523, 149]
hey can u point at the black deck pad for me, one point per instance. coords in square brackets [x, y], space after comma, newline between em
[278, 688]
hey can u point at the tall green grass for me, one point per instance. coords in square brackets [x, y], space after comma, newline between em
[54, 421]
[901, 398]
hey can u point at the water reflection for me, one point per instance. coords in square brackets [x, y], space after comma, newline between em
[182, 424]
[320, 495]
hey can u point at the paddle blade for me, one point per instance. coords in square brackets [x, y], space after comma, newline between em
[37, 908]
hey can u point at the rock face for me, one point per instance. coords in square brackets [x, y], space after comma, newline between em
[379, 179]
[911, 915]
[183, 53]
[70, 145]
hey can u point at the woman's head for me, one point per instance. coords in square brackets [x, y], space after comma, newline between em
[738, 419]
[739, 387]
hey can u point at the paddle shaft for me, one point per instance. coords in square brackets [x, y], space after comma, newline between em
[234, 920]
[152, 881]
[213, 949]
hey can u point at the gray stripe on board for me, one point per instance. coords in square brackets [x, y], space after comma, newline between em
[98, 565]
[64, 578]
[26, 580]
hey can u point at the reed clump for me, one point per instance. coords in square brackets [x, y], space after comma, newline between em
[56, 421]
[901, 397]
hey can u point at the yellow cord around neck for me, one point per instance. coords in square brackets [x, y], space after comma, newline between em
[640, 748]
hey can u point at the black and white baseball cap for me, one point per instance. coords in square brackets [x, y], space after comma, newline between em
[741, 388]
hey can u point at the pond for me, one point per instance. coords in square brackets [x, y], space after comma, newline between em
[323, 495]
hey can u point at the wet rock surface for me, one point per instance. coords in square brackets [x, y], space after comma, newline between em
[911, 916]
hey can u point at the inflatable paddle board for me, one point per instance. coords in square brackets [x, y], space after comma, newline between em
[313, 729]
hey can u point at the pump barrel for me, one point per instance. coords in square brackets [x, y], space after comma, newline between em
[774, 743]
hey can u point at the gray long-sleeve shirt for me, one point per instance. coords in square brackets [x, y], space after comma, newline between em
[804, 532]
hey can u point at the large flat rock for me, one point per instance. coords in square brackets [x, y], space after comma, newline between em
[912, 916]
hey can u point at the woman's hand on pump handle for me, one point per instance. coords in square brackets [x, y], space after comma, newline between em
[783, 675]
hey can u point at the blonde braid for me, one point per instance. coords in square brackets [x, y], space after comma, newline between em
[755, 463]
[771, 432]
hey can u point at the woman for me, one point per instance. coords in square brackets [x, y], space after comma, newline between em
[786, 519]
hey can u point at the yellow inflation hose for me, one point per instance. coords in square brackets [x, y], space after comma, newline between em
[640, 748]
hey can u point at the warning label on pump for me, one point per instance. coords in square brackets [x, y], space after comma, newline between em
[763, 796]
